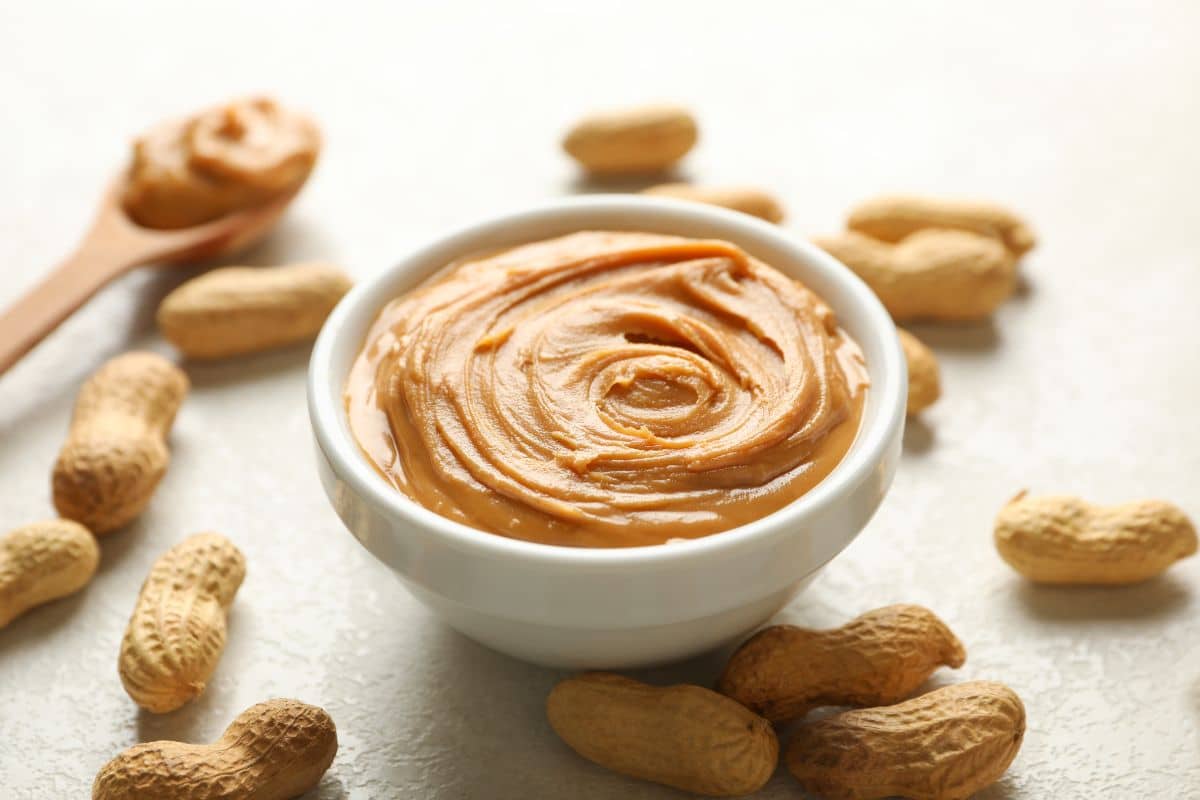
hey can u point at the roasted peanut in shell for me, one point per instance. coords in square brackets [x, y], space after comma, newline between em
[944, 745]
[116, 450]
[881, 657]
[44, 561]
[177, 632]
[273, 751]
[1061, 539]
[683, 736]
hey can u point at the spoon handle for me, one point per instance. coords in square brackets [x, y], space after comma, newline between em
[114, 245]
[59, 295]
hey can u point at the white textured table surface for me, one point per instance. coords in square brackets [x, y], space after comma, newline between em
[1085, 119]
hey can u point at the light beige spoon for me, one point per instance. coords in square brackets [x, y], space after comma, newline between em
[114, 245]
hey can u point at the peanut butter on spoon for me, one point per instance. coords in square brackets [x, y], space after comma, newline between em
[607, 390]
[207, 186]
[243, 154]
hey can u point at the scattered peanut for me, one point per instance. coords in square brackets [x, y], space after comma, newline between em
[879, 658]
[933, 274]
[274, 750]
[892, 218]
[643, 139]
[683, 736]
[116, 453]
[177, 631]
[42, 562]
[1059, 539]
[945, 745]
[924, 379]
[237, 310]
[746, 199]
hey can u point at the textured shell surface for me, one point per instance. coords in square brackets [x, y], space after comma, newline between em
[944, 745]
[934, 274]
[641, 139]
[878, 658]
[116, 453]
[924, 379]
[237, 310]
[274, 750]
[893, 217]
[1065, 539]
[44, 561]
[683, 736]
[177, 631]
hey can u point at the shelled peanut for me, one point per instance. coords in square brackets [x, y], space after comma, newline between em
[924, 377]
[879, 658]
[683, 736]
[44, 561]
[116, 451]
[177, 631]
[944, 745]
[894, 218]
[238, 310]
[1066, 540]
[747, 199]
[642, 139]
[272, 751]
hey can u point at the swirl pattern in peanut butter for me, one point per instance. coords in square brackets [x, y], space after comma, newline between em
[239, 155]
[607, 389]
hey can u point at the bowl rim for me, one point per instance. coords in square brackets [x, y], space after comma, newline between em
[359, 307]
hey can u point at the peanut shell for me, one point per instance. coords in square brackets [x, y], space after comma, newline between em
[881, 657]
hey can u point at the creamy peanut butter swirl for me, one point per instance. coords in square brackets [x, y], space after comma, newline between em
[607, 389]
[239, 155]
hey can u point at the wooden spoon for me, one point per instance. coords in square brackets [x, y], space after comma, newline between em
[114, 245]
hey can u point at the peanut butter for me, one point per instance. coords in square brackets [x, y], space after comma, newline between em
[190, 171]
[607, 390]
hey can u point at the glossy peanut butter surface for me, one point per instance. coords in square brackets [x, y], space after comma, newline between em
[224, 159]
[606, 390]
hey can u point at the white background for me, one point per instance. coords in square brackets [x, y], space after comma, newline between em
[1084, 116]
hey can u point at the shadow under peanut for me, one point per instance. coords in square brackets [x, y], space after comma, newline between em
[968, 338]
[919, 437]
[330, 788]
[1003, 789]
[186, 724]
[583, 183]
[1153, 599]
[246, 370]
[36, 626]
[294, 239]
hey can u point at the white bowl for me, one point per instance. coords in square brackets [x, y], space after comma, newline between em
[619, 607]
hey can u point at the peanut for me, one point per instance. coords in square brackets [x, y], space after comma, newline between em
[924, 377]
[683, 736]
[945, 745]
[272, 751]
[177, 631]
[892, 218]
[882, 657]
[42, 562]
[746, 199]
[237, 310]
[116, 453]
[933, 274]
[1059, 539]
[644, 139]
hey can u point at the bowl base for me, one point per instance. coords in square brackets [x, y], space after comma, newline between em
[620, 648]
